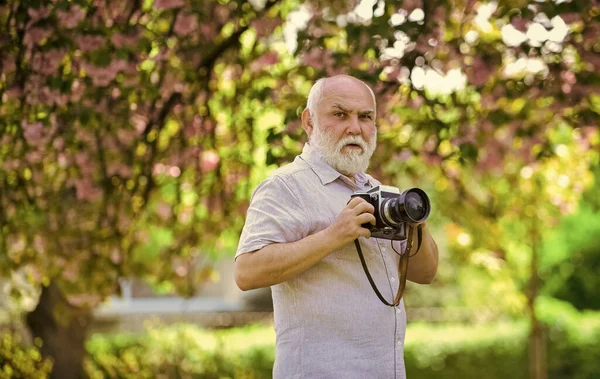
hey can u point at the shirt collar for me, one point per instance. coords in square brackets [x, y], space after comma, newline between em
[324, 171]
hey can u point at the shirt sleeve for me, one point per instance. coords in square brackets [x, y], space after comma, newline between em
[275, 215]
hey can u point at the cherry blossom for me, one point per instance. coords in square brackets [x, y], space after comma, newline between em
[168, 4]
[185, 24]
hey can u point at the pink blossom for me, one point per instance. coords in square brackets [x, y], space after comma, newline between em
[208, 30]
[14, 92]
[570, 18]
[33, 157]
[209, 160]
[520, 24]
[72, 17]
[158, 169]
[120, 40]
[101, 76]
[34, 36]
[410, 5]
[12, 164]
[128, 67]
[90, 42]
[318, 58]
[58, 143]
[168, 4]
[126, 137]
[52, 97]
[432, 159]
[222, 13]
[174, 171]
[33, 132]
[8, 64]
[191, 130]
[430, 145]
[87, 190]
[139, 121]
[591, 57]
[265, 26]
[185, 25]
[264, 61]
[48, 62]
[84, 162]
[181, 270]
[479, 73]
[164, 211]
[491, 160]
[37, 14]
[416, 103]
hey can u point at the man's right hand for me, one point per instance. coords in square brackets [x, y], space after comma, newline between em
[348, 225]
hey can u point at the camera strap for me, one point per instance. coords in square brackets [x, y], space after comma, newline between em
[402, 265]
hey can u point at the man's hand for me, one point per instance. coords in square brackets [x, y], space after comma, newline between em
[348, 225]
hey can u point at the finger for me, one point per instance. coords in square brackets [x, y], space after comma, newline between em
[363, 208]
[355, 201]
[365, 233]
[364, 218]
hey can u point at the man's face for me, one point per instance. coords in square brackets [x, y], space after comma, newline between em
[344, 129]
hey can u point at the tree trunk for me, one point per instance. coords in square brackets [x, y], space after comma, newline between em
[62, 329]
[537, 346]
[537, 352]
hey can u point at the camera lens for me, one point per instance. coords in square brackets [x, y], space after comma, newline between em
[415, 206]
[411, 206]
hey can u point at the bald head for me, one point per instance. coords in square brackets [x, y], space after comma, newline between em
[339, 83]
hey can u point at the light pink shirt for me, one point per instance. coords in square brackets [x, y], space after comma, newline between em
[328, 321]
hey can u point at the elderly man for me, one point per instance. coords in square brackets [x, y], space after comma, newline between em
[298, 239]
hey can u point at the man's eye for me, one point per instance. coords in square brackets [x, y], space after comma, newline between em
[366, 116]
[339, 114]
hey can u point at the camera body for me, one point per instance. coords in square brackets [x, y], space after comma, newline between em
[393, 209]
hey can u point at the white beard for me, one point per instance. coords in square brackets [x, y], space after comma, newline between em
[351, 161]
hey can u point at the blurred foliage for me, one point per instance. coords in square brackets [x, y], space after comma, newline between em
[571, 256]
[494, 350]
[183, 351]
[133, 132]
[20, 361]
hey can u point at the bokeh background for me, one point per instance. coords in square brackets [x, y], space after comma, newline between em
[132, 134]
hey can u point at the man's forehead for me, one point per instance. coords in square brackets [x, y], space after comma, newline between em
[347, 102]
[351, 108]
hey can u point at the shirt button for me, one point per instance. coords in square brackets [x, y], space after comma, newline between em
[398, 310]
[392, 279]
[399, 342]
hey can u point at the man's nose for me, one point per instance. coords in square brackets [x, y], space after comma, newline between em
[353, 126]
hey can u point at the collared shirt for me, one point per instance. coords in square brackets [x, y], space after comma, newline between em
[328, 321]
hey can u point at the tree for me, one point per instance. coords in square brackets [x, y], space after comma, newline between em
[134, 132]
[498, 100]
[128, 140]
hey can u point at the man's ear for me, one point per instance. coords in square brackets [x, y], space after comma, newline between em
[307, 122]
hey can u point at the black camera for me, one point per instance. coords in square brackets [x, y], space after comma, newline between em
[394, 209]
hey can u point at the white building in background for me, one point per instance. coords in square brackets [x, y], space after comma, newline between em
[218, 304]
